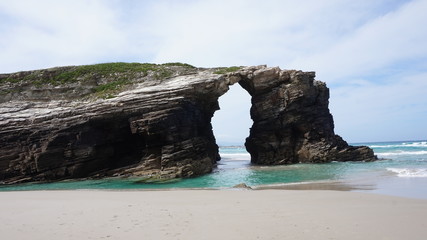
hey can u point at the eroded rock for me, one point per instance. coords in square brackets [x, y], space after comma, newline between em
[155, 126]
[292, 122]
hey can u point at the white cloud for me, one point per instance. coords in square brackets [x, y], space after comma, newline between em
[387, 40]
[49, 33]
[213, 33]
[203, 33]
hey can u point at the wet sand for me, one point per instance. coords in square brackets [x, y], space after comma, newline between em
[199, 214]
[319, 185]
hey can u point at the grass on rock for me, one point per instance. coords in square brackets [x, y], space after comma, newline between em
[111, 77]
[227, 70]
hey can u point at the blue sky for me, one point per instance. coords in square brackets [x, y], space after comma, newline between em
[372, 54]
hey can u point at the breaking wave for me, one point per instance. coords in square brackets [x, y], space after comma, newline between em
[400, 145]
[399, 153]
[409, 172]
[235, 156]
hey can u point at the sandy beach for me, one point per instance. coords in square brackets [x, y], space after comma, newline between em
[225, 214]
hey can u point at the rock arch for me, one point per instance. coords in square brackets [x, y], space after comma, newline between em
[164, 128]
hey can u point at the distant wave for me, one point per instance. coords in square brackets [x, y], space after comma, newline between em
[402, 153]
[232, 147]
[409, 172]
[235, 156]
[412, 144]
[415, 144]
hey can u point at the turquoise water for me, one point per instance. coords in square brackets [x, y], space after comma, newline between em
[403, 172]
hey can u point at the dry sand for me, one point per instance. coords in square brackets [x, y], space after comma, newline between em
[225, 214]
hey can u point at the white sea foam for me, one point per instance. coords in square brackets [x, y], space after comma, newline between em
[386, 146]
[398, 153]
[236, 156]
[412, 144]
[409, 172]
[422, 144]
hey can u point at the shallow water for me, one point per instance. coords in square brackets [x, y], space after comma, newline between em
[403, 173]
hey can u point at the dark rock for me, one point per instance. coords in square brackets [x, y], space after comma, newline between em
[155, 126]
[292, 123]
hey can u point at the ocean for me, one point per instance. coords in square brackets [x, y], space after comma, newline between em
[402, 171]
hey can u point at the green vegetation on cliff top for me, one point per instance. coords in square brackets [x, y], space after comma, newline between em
[62, 75]
[113, 75]
[104, 80]
[226, 70]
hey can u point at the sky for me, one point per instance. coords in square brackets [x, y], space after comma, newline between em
[372, 54]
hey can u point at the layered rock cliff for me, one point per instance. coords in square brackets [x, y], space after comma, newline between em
[155, 120]
[292, 122]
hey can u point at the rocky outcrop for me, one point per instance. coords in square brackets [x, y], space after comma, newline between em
[292, 122]
[154, 121]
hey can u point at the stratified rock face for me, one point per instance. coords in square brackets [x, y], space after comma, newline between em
[292, 123]
[156, 121]
[158, 127]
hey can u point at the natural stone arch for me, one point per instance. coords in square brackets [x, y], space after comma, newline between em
[161, 127]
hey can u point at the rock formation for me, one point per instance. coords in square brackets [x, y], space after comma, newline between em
[155, 121]
[292, 122]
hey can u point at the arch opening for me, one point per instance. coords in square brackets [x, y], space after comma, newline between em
[231, 125]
